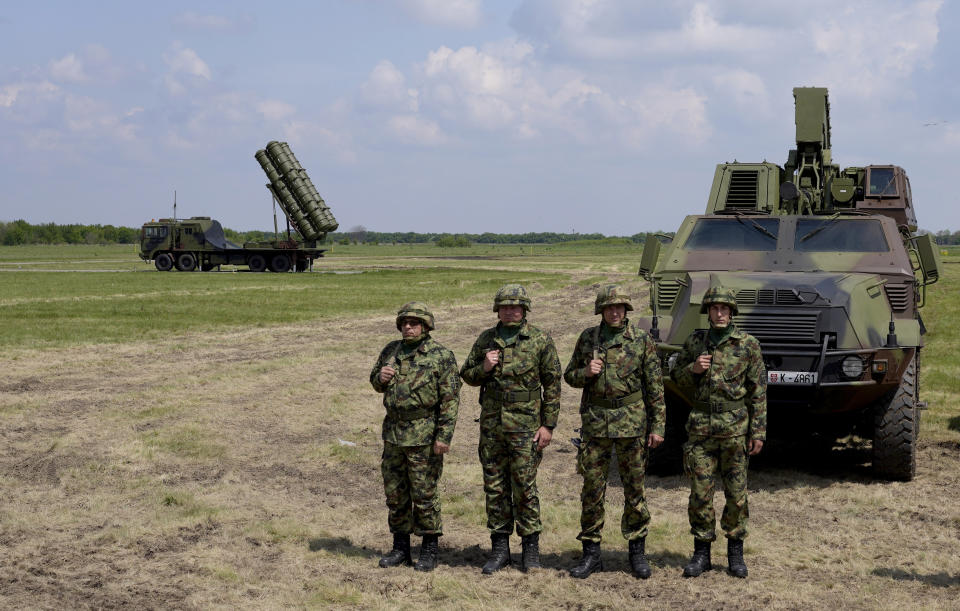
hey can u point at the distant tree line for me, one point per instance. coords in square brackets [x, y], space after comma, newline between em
[21, 232]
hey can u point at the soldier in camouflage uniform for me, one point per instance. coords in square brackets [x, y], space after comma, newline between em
[622, 409]
[721, 372]
[516, 367]
[421, 393]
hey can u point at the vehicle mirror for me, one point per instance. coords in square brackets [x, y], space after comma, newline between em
[648, 259]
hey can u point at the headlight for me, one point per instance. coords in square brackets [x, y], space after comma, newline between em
[852, 367]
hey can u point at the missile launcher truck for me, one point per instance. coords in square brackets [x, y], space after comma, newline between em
[199, 242]
[829, 274]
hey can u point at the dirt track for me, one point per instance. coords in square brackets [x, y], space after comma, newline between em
[208, 471]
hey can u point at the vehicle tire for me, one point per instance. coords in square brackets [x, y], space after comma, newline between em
[186, 262]
[280, 263]
[895, 430]
[164, 262]
[257, 263]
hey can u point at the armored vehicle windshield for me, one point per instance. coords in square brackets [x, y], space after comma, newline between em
[840, 235]
[733, 234]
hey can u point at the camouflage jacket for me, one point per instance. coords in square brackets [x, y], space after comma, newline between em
[529, 369]
[631, 369]
[730, 398]
[423, 397]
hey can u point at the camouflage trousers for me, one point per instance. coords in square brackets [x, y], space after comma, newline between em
[410, 478]
[594, 464]
[510, 462]
[703, 459]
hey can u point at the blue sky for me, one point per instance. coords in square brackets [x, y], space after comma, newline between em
[459, 115]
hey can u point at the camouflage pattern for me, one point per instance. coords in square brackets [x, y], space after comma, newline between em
[511, 294]
[410, 478]
[718, 294]
[730, 398]
[703, 459]
[418, 310]
[529, 374]
[421, 400]
[631, 365]
[612, 294]
[821, 264]
[528, 364]
[594, 464]
[423, 397]
[729, 407]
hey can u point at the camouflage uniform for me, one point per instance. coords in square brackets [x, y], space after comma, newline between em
[729, 408]
[618, 408]
[422, 401]
[512, 409]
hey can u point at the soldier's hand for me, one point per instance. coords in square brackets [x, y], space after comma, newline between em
[594, 367]
[653, 440]
[491, 359]
[543, 437]
[440, 448]
[755, 446]
[702, 363]
[387, 373]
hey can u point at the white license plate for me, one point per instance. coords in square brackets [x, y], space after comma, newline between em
[792, 377]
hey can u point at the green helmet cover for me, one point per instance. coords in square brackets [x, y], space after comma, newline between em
[718, 294]
[418, 310]
[511, 294]
[612, 294]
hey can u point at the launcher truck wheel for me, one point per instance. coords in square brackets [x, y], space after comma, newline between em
[257, 263]
[186, 262]
[164, 262]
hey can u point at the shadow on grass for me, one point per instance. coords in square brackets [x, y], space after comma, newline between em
[954, 423]
[941, 580]
[341, 545]
[475, 555]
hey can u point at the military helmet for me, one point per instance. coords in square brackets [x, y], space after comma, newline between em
[612, 294]
[511, 294]
[418, 310]
[718, 294]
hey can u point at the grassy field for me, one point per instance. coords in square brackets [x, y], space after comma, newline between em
[184, 441]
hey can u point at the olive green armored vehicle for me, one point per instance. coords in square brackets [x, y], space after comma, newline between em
[199, 242]
[829, 275]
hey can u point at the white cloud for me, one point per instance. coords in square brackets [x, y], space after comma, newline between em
[183, 60]
[28, 95]
[386, 86]
[68, 68]
[463, 14]
[747, 89]
[416, 130]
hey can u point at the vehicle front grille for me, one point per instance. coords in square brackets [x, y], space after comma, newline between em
[742, 192]
[667, 292]
[778, 327]
[768, 297]
[899, 296]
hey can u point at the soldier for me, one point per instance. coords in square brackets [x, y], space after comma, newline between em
[622, 408]
[516, 367]
[421, 392]
[721, 372]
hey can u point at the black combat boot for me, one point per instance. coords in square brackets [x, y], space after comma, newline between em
[500, 556]
[590, 562]
[638, 558]
[700, 561]
[530, 558]
[735, 563]
[428, 554]
[400, 554]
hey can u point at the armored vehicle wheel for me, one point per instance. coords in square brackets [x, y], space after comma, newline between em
[186, 262]
[257, 263]
[164, 262]
[895, 430]
[280, 263]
